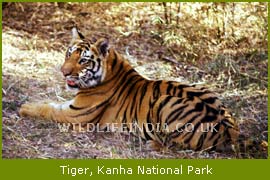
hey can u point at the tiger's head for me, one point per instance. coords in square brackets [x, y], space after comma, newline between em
[84, 65]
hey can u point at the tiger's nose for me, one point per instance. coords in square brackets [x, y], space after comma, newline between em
[66, 70]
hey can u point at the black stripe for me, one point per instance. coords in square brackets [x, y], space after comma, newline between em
[131, 88]
[174, 91]
[211, 110]
[147, 137]
[196, 94]
[169, 88]
[210, 100]
[208, 119]
[87, 47]
[93, 66]
[134, 102]
[150, 127]
[228, 135]
[199, 106]
[215, 143]
[174, 114]
[134, 84]
[161, 105]
[136, 117]
[126, 80]
[180, 129]
[143, 91]
[75, 108]
[187, 140]
[149, 123]
[125, 127]
[180, 93]
[182, 86]
[215, 130]
[98, 117]
[156, 89]
[128, 93]
[148, 119]
[124, 117]
[189, 112]
[188, 99]
[179, 101]
[91, 110]
[201, 141]
[99, 64]
[114, 60]
[117, 75]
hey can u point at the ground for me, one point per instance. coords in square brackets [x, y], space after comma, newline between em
[34, 41]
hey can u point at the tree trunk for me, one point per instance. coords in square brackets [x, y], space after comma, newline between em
[165, 12]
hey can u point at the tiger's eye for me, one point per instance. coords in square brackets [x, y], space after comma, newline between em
[83, 60]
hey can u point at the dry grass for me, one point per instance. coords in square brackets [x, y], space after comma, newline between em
[33, 51]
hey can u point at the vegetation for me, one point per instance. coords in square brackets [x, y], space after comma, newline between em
[219, 45]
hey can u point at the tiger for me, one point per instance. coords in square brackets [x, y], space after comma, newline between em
[109, 91]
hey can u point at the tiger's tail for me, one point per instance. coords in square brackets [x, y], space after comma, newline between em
[251, 147]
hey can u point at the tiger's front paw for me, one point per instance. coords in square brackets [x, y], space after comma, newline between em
[34, 110]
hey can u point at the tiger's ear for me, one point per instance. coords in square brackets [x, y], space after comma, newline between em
[76, 34]
[102, 46]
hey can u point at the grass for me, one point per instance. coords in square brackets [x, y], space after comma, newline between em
[31, 60]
